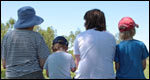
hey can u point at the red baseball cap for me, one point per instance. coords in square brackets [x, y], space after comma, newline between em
[128, 24]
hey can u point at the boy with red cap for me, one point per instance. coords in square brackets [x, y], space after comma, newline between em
[131, 54]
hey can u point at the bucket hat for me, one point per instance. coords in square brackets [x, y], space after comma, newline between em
[128, 24]
[27, 18]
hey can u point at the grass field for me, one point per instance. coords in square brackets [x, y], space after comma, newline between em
[146, 72]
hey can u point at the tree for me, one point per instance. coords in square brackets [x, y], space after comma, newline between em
[11, 22]
[3, 31]
[37, 28]
[48, 35]
[6, 27]
[71, 39]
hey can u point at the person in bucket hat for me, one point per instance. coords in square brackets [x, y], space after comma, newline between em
[59, 64]
[131, 54]
[24, 51]
[27, 18]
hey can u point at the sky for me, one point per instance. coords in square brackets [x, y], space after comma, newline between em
[66, 16]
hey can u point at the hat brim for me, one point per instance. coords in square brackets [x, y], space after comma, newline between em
[36, 20]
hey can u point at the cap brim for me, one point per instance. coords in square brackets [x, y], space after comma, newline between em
[137, 25]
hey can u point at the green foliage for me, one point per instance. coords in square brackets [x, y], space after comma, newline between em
[48, 36]
[11, 22]
[146, 71]
[2, 73]
[72, 37]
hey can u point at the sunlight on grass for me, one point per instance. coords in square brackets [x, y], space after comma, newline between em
[146, 71]
[44, 73]
[2, 73]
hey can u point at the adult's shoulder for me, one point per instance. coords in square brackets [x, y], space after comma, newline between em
[38, 35]
[109, 33]
[77, 38]
[80, 34]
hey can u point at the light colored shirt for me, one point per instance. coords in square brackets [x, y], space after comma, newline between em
[22, 49]
[96, 50]
[59, 65]
[129, 54]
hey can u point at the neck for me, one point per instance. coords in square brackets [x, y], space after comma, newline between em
[61, 50]
[129, 39]
[30, 28]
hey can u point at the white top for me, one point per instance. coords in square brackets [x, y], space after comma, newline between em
[96, 50]
[59, 65]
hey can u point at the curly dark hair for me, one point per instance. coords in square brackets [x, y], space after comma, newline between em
[95, 18]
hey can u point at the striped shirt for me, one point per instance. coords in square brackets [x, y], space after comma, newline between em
[22, 49]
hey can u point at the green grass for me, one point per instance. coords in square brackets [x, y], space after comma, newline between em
[146, 72]
[2, 73]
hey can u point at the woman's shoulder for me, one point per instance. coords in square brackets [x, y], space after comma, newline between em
[109, 33]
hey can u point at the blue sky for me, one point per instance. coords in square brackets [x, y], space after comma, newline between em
[66, 16]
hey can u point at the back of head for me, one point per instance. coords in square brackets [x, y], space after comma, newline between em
[126, 27]
[95, 18]
[27, 18]
[60, 43]
[127, 35]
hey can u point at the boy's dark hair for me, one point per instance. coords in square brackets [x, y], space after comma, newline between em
[57, 47]
[95, 18]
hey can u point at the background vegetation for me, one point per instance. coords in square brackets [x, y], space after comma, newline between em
[49, 35]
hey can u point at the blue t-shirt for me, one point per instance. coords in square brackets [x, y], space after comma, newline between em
[59, 65]
[129, 54]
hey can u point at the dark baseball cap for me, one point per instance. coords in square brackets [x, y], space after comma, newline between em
[60, 40]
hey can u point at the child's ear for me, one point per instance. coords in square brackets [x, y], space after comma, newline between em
[52, 47]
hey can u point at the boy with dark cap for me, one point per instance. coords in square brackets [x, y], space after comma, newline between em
[59, 64]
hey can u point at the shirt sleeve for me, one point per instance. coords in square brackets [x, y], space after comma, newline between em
[43, 50]
[116, 59]
[76, 48]
[72, 63]
[145, 53]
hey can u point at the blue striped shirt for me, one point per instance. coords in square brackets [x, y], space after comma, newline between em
[22, 49]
